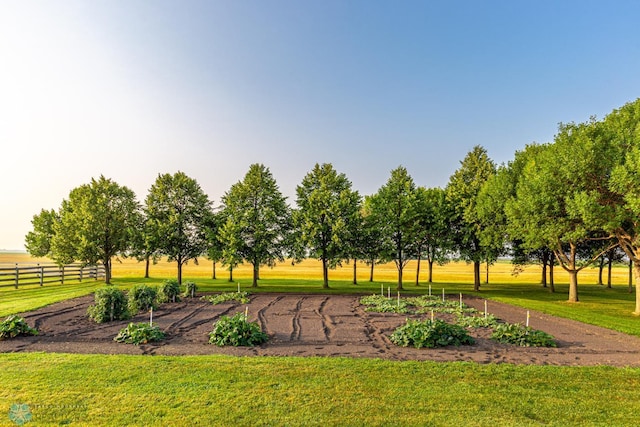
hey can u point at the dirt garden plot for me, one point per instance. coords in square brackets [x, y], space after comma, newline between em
[318, 325]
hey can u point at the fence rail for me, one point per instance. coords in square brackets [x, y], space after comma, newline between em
[39, 274]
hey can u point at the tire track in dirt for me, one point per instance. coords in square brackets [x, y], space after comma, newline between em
[328, 325]
[262, 318]
[296, 332]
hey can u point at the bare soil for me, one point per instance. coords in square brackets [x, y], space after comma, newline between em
[318, 325]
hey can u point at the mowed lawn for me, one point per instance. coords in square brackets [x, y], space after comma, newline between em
[65, 389]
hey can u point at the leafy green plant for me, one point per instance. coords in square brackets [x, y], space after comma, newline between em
[524, 336]
[139, 333]
[431, 334]
[381, 304]
[169, 291]
[190, 290]
[110, 303]
[237, 331]
[13, 326]
[242, 297]
[142, 298]
[490, 321]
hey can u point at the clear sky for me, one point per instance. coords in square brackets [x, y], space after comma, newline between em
[132, 89]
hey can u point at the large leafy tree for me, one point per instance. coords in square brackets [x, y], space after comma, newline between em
[327, 211]
[215, 245]
[95, 224]
[258, 220]
[622, 127]
[38, 241]
[394, 207]
[462, 194]
[176, 209]
[431, 228]
[370, 241]
[557, 203]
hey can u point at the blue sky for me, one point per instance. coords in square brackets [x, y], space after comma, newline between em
[132, 89]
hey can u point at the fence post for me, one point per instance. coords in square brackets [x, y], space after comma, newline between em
[41, 274]
[17, 275]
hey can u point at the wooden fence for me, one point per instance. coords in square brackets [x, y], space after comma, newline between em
[39, 274]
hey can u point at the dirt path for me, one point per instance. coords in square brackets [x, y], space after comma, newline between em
[319, 325]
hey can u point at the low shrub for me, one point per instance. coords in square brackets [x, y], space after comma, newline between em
[241, 297]
[190, 290]
[110, 303]
[236, 331]
[430, 334]
[13, 326]
[490, 321]
[139, 333]
[142, 298]
[381, 304]
[524, 336]
[169, 291]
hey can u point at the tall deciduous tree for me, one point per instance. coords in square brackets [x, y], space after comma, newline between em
[371, 237]
[96, 223]
[394, 207]
[431, 228]
[258, 220]
[623, 128]
[38, 241]
[462, 194]
[176, 210]
[327, 209]
[557, 201]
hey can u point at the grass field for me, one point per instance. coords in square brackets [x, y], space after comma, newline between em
[220, 390]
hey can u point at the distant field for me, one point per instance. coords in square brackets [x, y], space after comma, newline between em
[454, 272]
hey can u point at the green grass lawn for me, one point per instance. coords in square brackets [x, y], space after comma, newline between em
[221, 390]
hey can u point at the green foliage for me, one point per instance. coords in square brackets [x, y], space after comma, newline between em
[110, 304]
[237, 331]
[326, 217]
[258, 220]
[190, 289]
[142, 297]
[169, 291]
[177, 210]
[241, 297]
[430, 334]
[524, 336]
[13, 326]
[139, 333]
[381, 304]
[490, 321]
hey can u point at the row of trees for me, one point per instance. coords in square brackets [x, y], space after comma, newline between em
[566, 202]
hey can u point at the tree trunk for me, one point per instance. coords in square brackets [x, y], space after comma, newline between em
[636, 266]
[179, 272]
[487, 281]
[430, 271]
[573, 285]
[630, 275]
[147, 261]
[371, 272]
[107, 272]
[545, 262]
[256, 274]
[610, 264]
[476, 276]
[325, 274]
[213, 273]
[400, 268]
[600, 268]
[552, 283]
[355, 271]
[418, 270]
[230, 273]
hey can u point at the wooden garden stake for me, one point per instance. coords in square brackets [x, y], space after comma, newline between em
[442, 294]
[381, 289]
[460, 300]
[528, 318]
[238, 287]
[246, 313]
[151, 317]
[431, 316]
[389, 292]
[485, 309]
[429, 290]
[398, 299]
